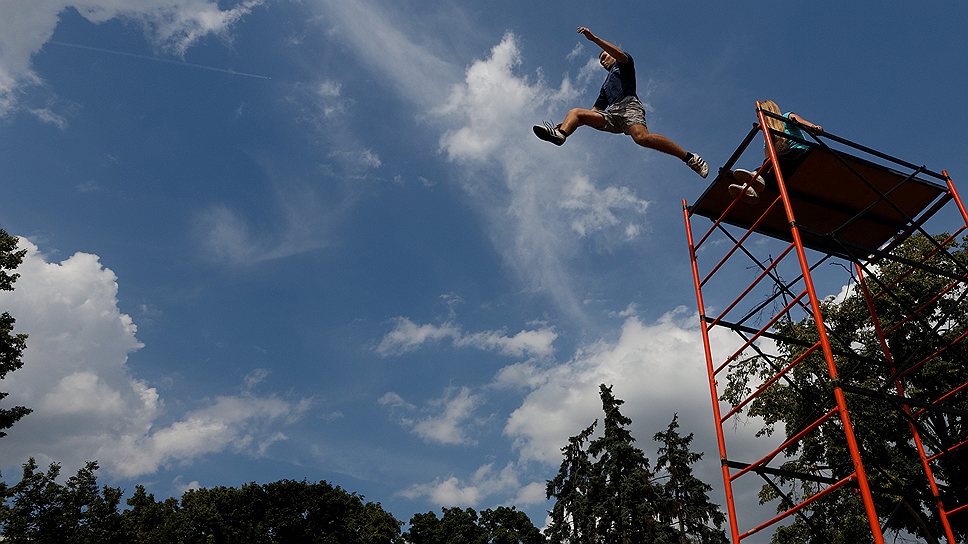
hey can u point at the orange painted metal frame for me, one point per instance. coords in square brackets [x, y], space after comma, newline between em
[858, 478]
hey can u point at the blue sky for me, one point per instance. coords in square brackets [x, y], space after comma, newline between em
[317, 239]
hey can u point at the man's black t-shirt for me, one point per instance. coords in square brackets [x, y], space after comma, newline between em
[619, 83]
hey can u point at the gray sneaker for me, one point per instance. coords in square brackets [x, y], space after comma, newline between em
[749, 194]
[698, 165]
[549, 133]
[744, 177]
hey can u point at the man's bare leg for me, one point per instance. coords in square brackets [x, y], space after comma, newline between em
[580, 117]
[642, 136]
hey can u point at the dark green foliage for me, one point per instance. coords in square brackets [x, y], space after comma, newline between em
[11, 345]
[902, 496]
[39, 509]
[455, 526]
[150, 522]
[502, 525]
[573, 518]
[629, 503]
[688, 509]
[505, 525]
[606, 493]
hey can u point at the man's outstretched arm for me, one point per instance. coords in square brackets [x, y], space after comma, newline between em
[608, 47]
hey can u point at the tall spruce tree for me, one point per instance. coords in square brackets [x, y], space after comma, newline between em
[12, 345]
[689, 511]
[575, 488]
[629, 502]
[605, 493]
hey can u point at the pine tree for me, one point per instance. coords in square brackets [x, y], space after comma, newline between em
[689, 510]
[629, 502]
[573, 520]
[605, 493]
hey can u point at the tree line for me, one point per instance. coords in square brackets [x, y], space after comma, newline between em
[604, 493]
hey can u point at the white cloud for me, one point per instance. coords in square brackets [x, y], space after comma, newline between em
[536, 343]
[407, 336]
[658, 369]
[319, 104]
[328, 98]
[226, 235]
[485, 483]
[383, 41]
[548, 193]
[50, 117]
[329, 89]
[442, 421]
[533, 493]
[447, 426]
[183, 487]
[172, 25]
[255, 377]
[576, 51]
[596, 209]
[490, 96]
[394, 400]
[87, 404]
[590, 71]
[358, 161]
[301, 225]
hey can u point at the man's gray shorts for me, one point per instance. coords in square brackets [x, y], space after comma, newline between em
[622, 115]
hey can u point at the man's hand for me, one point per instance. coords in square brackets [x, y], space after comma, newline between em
[609, 48]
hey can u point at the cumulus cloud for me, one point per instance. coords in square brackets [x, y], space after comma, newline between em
[485, 484]
[445, 420]
[491, 94]
[657, 368]
[408, 336]
[547, 198]
[172, 25]
[87, 403]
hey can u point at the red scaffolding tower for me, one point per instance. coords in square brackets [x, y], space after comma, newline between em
[849, 217]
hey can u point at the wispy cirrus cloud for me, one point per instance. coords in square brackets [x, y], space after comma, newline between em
[298, 220]
[171, 25]
[388, 42]
[481, 108]
[407, 336]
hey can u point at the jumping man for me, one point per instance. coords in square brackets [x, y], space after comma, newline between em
[617, 109]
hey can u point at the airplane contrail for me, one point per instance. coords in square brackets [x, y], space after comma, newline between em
[158, 59]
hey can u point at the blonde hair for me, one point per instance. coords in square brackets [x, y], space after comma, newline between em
[781, 144]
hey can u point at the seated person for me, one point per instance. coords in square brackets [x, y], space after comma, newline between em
[790, 153]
